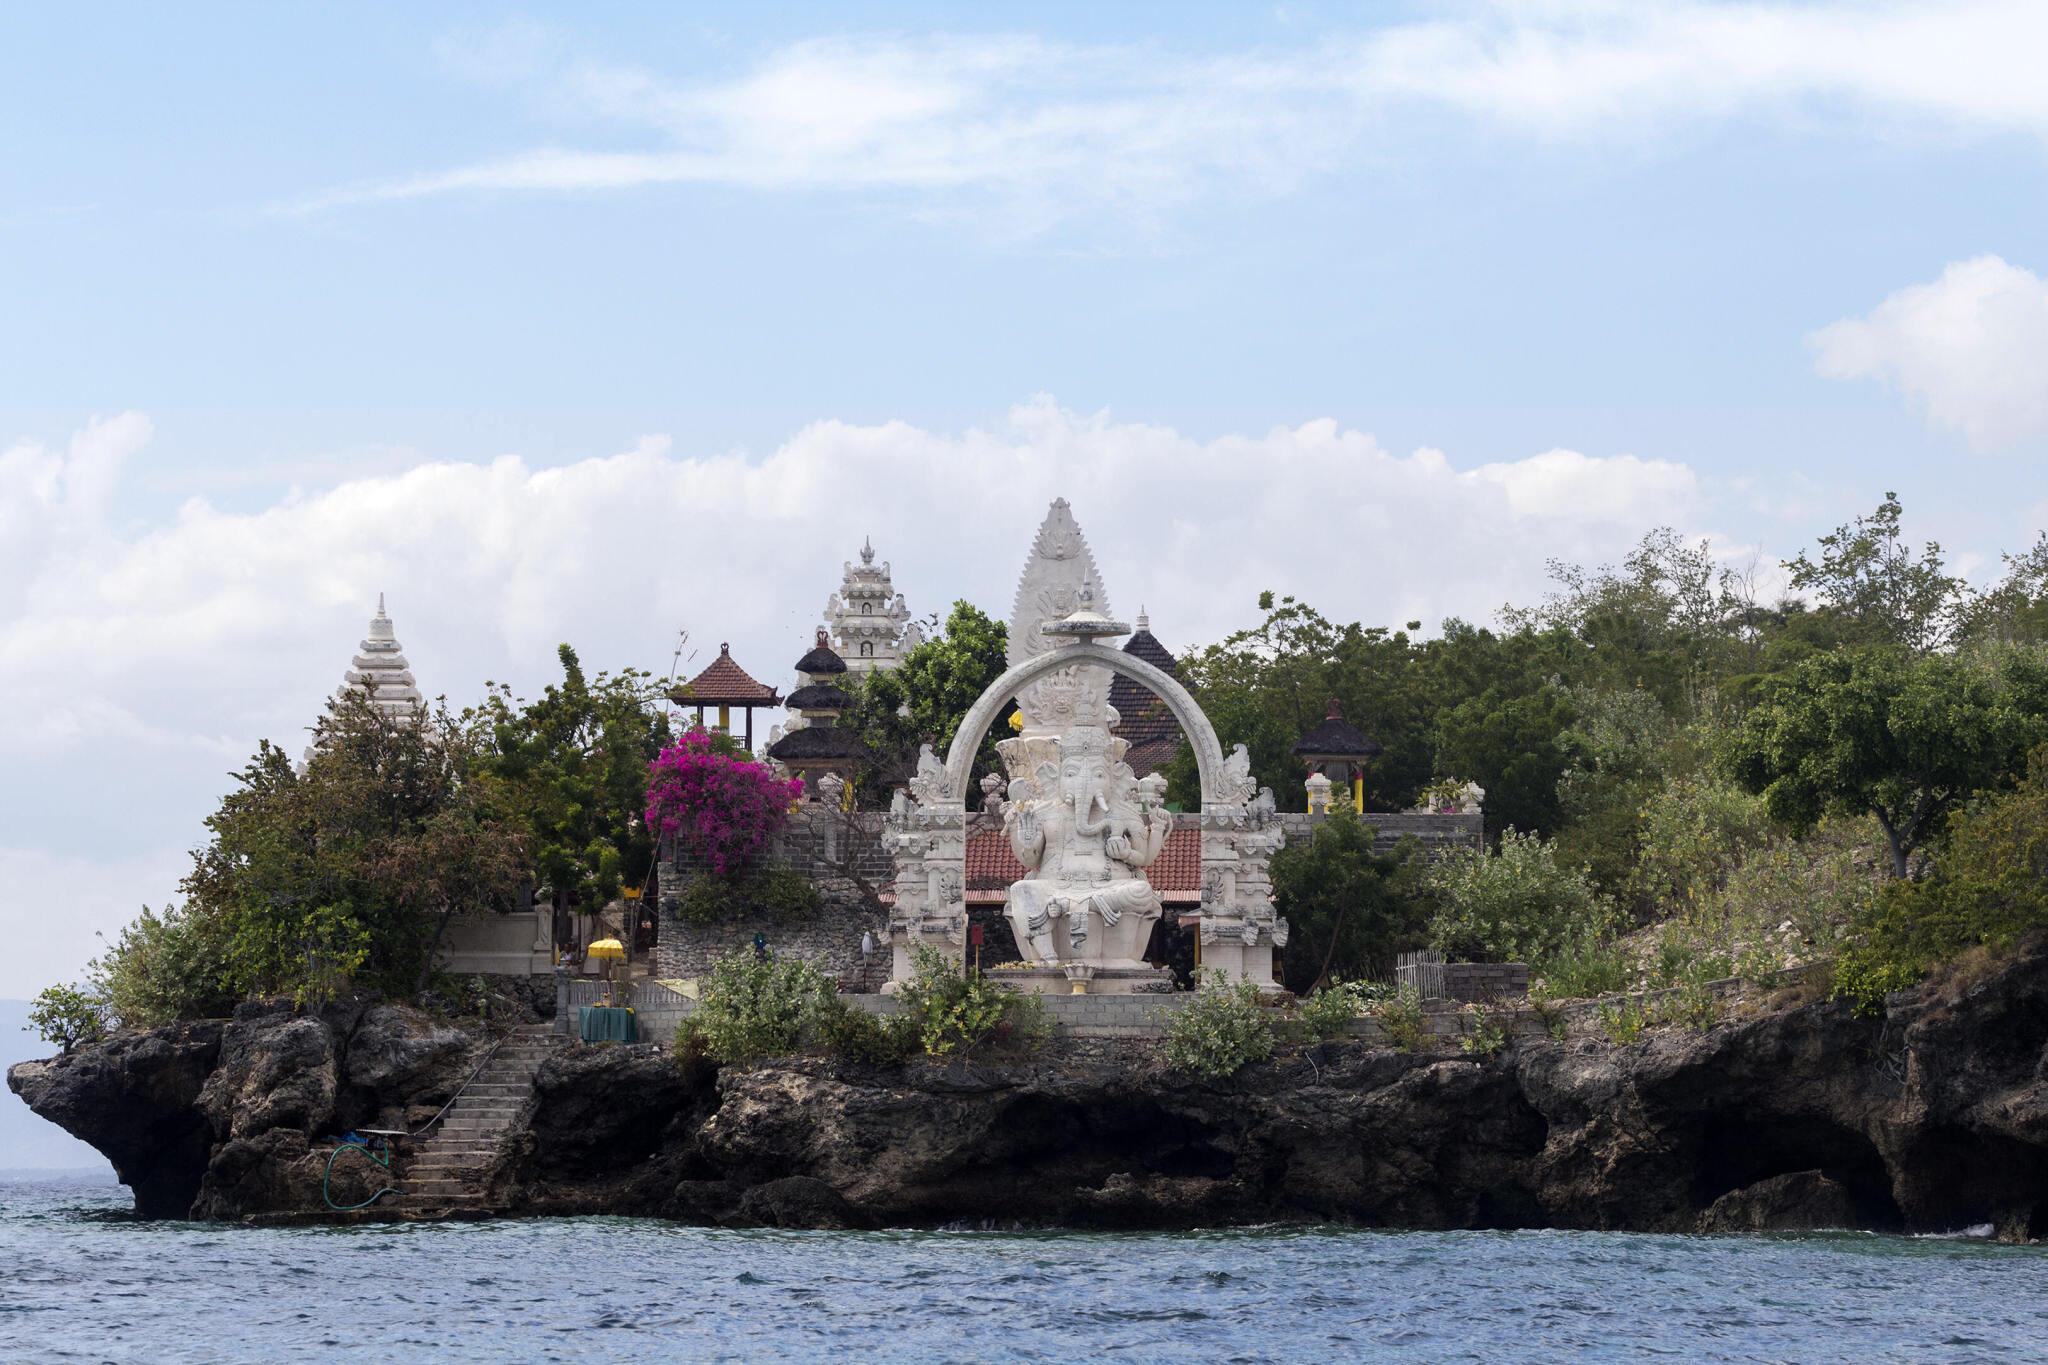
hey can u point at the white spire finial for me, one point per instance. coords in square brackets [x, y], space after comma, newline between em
[380, 604]
[1144, 621]
[867, 549]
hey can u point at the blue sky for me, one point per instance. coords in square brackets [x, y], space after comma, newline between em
[598, 322]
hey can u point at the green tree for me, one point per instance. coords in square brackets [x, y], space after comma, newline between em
[1877, 729]
[1513, 747]
[341, 873]
[1267, 686]
[2015, 612]
[1866, 573]
[1519, 904]
[926, 697]
[1349, 909]
[68, 1016]
[570, 767]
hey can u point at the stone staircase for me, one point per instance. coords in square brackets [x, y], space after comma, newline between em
[443, 1174]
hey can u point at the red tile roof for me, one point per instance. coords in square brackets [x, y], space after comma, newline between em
[725, 683]
[1176, 874]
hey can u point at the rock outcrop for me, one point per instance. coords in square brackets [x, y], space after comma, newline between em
[223, 1118]
[1934, 1116]
[136, 1098]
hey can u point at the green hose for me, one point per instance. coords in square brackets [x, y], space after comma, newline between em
[383, 1160]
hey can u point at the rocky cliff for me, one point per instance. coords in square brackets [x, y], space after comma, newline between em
[1932, 1117]
[221, 1118]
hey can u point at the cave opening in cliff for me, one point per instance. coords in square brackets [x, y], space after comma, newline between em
[1737, 1151]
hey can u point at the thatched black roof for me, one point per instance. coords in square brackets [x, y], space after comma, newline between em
[821, 659]
[1336, 737]
[820, 697]
[816, 742]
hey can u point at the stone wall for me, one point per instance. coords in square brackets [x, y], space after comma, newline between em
[1480, 982]
[843, 854]
[518, 944]
[1438, 834]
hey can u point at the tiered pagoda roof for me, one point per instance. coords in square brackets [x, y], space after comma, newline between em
[1142, 718]
[1335, 739]
[867, 617]
[725, 683]
[380, 669]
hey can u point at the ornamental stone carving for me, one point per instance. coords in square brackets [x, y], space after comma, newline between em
[1083, 826]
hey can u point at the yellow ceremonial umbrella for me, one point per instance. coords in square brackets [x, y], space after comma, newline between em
[607, 951]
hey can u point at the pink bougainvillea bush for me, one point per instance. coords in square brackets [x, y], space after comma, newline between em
[722, 808]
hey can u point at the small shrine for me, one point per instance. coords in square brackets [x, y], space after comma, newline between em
[1142, 719]
[380, 671]
[1081, 823]
[817, 750]
[867, 620]
[1336, 752]
[726, 685]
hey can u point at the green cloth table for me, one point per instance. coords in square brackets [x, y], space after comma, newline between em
[599, 1024]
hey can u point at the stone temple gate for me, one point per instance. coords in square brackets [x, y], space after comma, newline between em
[1081, 824]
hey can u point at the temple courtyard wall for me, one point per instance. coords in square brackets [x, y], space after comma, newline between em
[843, 855]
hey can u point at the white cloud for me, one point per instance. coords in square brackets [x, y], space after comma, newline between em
[1034, 130]
[1970, 347]
[141, 662]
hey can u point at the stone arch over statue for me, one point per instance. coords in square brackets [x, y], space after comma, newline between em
[982, 715]
[927, 829]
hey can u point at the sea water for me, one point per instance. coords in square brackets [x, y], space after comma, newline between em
[82, 1280]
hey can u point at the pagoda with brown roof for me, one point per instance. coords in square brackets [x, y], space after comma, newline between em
[726, 685]
[1142, 719]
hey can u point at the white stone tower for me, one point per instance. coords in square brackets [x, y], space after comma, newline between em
[380, 669]
[871, 628]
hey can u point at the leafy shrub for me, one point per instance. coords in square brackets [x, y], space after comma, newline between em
[1223, 1029]
[1516, 905]
[1328, 1012]
[1623, 1023]
[1691, 1002]
[68, 1016]
[775, 892]
[1989, 886]
[858, 1035]
[950, 1011]
[1694, 833]
[1687, 954]
[724, 809]
[1554, 1020]
[1401, 1019]
[1864, 977]
[164, 967]
[758, 1005]
[1800, 895]
[1486, 1032]
[1581, 970]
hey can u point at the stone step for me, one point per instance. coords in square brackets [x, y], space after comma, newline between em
[451, 1190]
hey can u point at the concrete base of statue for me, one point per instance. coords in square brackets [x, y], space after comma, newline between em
[1083, 979]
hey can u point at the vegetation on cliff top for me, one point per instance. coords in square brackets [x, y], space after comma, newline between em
[1680, 775]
